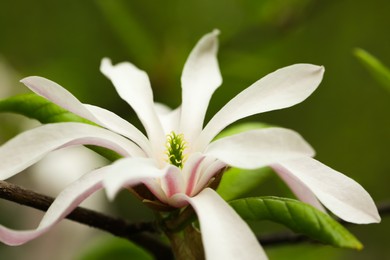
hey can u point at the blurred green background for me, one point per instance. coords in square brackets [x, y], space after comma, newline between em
[346, 120]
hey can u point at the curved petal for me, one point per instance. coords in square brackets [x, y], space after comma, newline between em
[132, 171]
[283, 88]
[208, 173]
[302, 192]
[63, 98]
[133, 86]
[192, 170]
[337, 192]
[224, 234]
[258, 148]
[200, 78]
[169, 118]
[66, 201]
[117, 124]
[30, 146]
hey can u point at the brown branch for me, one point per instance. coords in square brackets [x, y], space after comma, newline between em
[135, 232]
[139, 233]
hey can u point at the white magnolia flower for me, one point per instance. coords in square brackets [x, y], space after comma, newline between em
[178, 160]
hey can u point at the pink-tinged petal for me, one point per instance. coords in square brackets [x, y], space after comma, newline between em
[30, 146]
[133, 86]
[66, 201]
[283, 88]
[224, 234]
[337, 192]
[173, 182]
[259, 148]
[132, 171]
[169, 118]
[191, 171]
[200, 78]
[302, 192]
[209, 172]
[63, 98]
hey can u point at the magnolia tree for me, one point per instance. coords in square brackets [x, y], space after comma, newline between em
[179, 167]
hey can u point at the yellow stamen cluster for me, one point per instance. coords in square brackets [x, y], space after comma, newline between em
[175, 147]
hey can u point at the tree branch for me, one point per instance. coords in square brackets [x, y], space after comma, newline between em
[116, 226]
[139, 233]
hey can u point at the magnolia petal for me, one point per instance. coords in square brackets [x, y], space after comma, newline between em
[191, 171]
[58, 95]
[63, 98]
[283, 88]
[133, 86]
[117, 124]
[259, 148]
[169, 118]
[216, 166]
[66, 201]
[224, 234]
[132, 171]
[337, 192]
[302, 192]
[200, 78]
[30, 146]
[172, 183]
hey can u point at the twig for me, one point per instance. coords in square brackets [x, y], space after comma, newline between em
[138, 233]
[116, 226]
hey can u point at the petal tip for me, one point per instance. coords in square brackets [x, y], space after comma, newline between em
[29, 79]
[215, 32]
[105, 65]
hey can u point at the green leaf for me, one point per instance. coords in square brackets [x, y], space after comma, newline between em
[236, 182]
[377, 69]
[115, 248]
[37, 107]
[299, 217]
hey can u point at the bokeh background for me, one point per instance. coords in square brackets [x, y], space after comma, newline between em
[346, 120]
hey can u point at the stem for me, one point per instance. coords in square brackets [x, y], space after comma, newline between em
[115, 226]
[136, 232]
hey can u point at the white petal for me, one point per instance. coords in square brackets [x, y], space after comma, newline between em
[200, 78]
[259, 148]
[192, 171]
[133, 86]
[224, 234]
[208, 172]
[337, 192]
[132, 171]
[66, 201]
[283, 88]
[302, 192]
[63, 98]
[30, 146]
[119, 125]
[169, 118]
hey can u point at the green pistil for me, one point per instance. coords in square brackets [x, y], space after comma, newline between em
[175, 148]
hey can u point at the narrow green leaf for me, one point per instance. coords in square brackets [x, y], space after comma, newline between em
[377, 69]
[299, 217]
[36, 107]
[236, 182]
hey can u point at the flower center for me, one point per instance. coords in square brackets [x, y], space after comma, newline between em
[175, 147]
